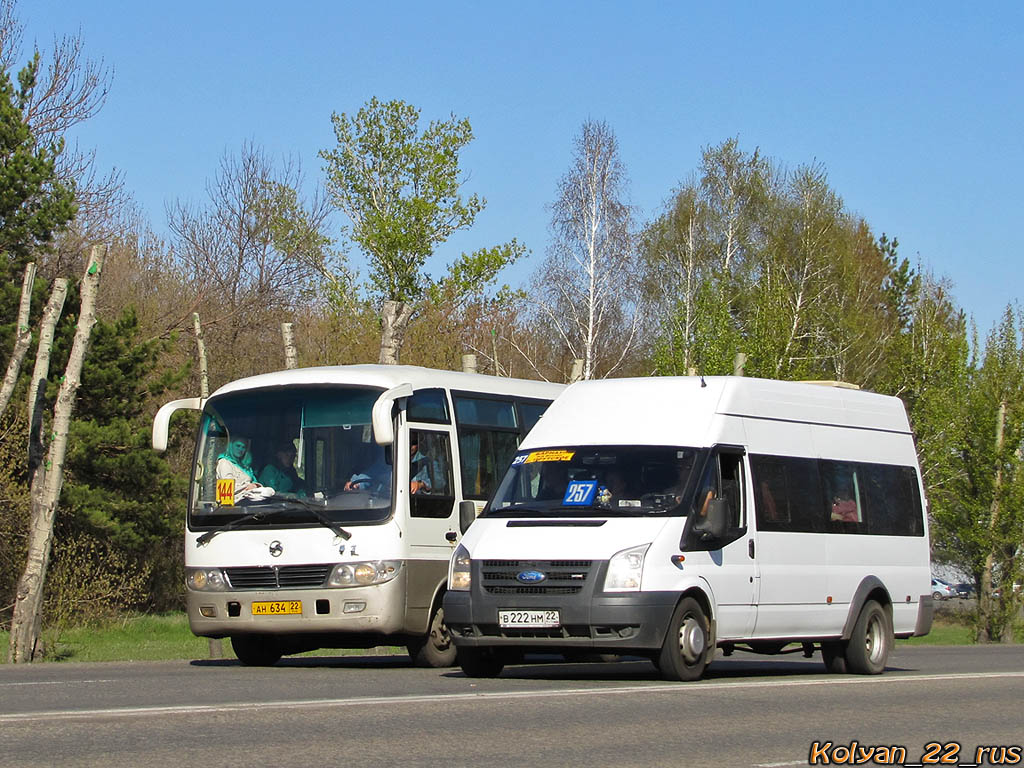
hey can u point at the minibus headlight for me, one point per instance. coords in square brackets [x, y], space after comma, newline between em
[363, 574]
[459, 575]
[625, 569]
[205, 579]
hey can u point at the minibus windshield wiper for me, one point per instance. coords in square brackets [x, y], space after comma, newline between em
[275, 508]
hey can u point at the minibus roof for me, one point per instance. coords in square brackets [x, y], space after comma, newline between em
[664, 410]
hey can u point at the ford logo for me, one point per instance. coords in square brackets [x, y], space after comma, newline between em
[531, 577]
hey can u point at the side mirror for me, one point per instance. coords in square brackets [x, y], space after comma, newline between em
[717, 522]
[380, 416]
[467, 514]
[162, 420]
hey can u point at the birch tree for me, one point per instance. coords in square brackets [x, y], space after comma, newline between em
[46, 486]
[589, 285]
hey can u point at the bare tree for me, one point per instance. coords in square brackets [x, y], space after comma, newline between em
[22, 338]
[588, 287]
[251, 252]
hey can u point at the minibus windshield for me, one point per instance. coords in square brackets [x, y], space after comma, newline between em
[293, 456]
[596, 480]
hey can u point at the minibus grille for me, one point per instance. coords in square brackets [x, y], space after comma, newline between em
[562, 577]
[278, 577]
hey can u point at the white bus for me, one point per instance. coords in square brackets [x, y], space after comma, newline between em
[303, 529]
[668, 517]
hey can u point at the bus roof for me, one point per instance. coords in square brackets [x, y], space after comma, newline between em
[388, 376]
[680, 410]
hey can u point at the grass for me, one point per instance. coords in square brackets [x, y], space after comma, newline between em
[164, 637]
[147, 638]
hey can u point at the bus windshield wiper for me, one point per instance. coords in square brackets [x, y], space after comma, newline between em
[257, 514]
[318, 513]
[275, 508]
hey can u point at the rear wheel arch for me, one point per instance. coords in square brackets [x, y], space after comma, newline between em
[870, 588]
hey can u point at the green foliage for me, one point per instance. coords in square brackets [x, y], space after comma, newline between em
[117, 488]
[33, 204]
[399, 186]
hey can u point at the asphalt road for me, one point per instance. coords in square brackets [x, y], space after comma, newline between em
[935, 702]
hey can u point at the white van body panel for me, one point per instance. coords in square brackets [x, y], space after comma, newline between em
[493, 539]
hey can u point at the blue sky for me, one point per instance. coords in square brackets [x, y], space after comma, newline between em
[916, 110]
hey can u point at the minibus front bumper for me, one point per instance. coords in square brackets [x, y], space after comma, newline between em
[588, 621]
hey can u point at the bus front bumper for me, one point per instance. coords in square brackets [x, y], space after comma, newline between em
[377, 609]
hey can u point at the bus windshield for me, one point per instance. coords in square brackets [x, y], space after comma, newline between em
[304, 454]
[596, 480]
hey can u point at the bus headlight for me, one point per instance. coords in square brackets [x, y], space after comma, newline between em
[205, 579]
[459, 570]
[625, 569]
[364, 574]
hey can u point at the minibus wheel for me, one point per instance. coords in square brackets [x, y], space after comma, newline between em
[869, 645]
[480, 662]
[256, 650]
[685, 652]
[437, 648]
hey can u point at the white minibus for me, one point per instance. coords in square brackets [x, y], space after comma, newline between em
[324, 502]
[670, 517]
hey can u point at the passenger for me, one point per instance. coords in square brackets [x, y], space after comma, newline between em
[844, 508]
[280, 473]
[236, 464]
[419, 473]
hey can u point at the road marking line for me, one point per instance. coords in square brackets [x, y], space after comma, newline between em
[687, 688]
[56, 682]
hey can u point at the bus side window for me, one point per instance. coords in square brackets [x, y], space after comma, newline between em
[432, 464]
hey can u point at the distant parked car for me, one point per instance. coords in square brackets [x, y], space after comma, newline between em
[941, 590]
[964, 590]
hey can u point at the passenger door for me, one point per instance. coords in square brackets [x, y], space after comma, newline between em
[729, 562]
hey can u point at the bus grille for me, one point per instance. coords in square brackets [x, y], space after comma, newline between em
[278, 577]
[564, 577]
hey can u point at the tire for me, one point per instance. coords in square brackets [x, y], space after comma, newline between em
[256, 650]
[834, 656]
[936, 595]
[480, 662]
[869, 645]
[437, 648]
[685, 654]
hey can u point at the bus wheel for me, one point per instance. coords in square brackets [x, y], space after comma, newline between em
[685, 652]
[256, 650]
[869, 645]
[480, 662]
[834, 656]
[437, 648]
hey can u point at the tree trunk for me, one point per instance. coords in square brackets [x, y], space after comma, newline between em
[395, 317]
[988, 632]
[23, 335]
[204, 376]
[37, 387]
[469, 363]
[46, 486]
[291, 355]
